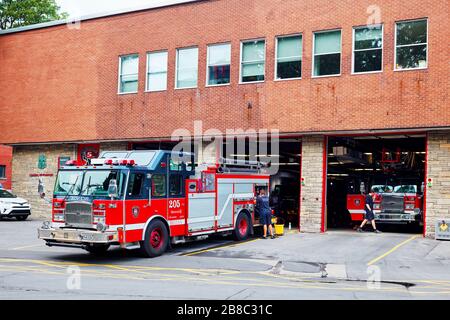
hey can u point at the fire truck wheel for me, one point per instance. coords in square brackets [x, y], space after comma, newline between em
[243, 226]
[156, 239]
[97, 250]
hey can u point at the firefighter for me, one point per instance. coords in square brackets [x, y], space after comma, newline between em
[265, 213]
[369, 216]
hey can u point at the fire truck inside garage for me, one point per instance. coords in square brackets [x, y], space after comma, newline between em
[390, 167]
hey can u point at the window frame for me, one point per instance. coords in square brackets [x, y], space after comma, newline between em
[409, 45]
[382, 48]
[276, 56]
[314, 55]
[119, 80]
[176, 66]
[147, 73]
[208, 65]
[241, 55]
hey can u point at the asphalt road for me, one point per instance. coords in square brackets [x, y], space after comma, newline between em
[335, 265]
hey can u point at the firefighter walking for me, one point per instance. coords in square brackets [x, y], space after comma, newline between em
[369, 216]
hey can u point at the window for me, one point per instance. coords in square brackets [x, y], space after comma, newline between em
[176, 185]
[289, 57]
[157, 71]
[129, 74]
[209, 182]
[219, 59]
[367, 49]
[135, 184]
[327, 53]
[159, 185]
[187, 68]
[411, 44]
[253, 61]
[2, 172]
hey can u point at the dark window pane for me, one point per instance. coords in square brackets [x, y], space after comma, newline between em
[219, 75]
[289, 69]
[158, 185]
[369, 60]
[411, 32]
[412, 57]
[253, 78]
[327, 64]
[175, 185]
[2, 171]
[135, 184]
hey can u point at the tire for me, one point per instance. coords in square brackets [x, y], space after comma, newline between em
[243, 227]
[156, 239]
[97, 250]
[21, 218]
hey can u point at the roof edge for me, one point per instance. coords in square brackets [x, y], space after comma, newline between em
[160, 4]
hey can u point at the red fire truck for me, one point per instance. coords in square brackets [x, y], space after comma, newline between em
[400, 204]
[146, 199]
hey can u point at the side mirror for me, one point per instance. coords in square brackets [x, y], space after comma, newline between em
[41, 189]
[422, 187]
[112, 189]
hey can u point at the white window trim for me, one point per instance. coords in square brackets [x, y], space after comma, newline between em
[409, 45]
[382, 49]
[314, 56]
[276, 56]
[176, 67]
[208, 65]
[240, 60]
[147, 71]
[120, 74]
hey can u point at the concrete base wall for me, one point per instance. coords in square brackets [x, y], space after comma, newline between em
[438, 170]
[25, 167]
[311, 194]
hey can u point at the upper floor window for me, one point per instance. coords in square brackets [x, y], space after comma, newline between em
[128, 73]
[411, 44]
[187, 68]
[157, 71]
[327, 53]
[367, 49]
[2, 172]
[219, 59]
[253, 60]
[289, 57]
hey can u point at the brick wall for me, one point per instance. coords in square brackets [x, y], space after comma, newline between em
[63, 86]
[5, 160]
[311, 192]
[438, 168]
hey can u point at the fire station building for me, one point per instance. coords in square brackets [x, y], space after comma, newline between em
[359, 93]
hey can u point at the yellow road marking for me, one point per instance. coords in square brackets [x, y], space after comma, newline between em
[26, 247]
[392, 250]
[219, 247]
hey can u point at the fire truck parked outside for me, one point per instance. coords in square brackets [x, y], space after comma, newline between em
[147, 199]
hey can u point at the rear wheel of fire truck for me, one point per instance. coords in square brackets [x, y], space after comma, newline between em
[156, 239]
[97, 249]
[242, 230]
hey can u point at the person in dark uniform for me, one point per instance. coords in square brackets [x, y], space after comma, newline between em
[265, 213]
[369, 216]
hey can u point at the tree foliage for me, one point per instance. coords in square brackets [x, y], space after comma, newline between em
[19, 13]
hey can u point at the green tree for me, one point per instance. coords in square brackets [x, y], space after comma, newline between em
[19, 13]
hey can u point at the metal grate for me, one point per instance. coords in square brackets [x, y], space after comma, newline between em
[392, 204]
[78, 214]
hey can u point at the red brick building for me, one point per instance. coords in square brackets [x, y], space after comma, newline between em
[326, 74]
[5, 166]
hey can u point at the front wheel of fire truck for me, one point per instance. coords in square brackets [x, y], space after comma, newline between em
[243, 227]
[156, 239]
[97, 249]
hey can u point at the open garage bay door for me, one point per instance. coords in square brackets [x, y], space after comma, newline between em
[391, 168]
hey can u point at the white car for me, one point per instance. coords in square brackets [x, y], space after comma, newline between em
[13, 206]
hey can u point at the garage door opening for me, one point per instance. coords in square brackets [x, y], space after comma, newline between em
[285, 183]
[391, 168]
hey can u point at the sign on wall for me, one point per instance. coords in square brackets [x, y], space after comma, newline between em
[443, 230]
[42, 162]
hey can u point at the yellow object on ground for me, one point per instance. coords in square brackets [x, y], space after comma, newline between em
[279, 229]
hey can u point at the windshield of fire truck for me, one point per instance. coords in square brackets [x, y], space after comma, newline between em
[381, 189]
[87, 183]
[405, 189]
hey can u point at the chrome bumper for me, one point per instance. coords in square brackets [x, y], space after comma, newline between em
[77, 236]
[397, 217]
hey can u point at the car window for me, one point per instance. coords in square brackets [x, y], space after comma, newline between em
[6, 194]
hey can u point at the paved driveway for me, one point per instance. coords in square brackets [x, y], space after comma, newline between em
[335, 265]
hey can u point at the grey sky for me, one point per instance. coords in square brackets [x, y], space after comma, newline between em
[76, 8]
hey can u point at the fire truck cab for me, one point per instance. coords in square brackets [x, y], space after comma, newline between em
[149, 199]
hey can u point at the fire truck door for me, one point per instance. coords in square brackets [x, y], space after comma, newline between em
[176, 202]
[355, 206]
